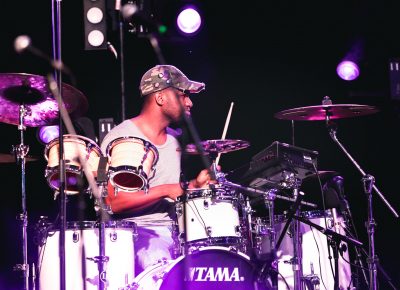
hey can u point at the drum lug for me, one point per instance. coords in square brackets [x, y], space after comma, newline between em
[113, 236]
[75, 237]
[205, 204]
[209, 231]
[179, 210]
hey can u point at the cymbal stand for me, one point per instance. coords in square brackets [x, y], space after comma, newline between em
[297, 249]
[269, 199]
[101, 259]
[21, 150]
[368, 184]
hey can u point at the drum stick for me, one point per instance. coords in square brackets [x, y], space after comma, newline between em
[228, 118]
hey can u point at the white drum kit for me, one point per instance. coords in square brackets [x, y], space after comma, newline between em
[221, 242]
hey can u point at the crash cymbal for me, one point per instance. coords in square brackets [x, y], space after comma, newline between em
[10, 158]
[218, 146]
[33, 92]
[326, 112]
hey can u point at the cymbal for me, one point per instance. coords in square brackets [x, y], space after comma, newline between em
[10, 158]
[33, 92]
[218, 146]
[325, 112]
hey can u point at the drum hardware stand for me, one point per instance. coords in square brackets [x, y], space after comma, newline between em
[311, 281]
[335, 240]
[297, 261]
[20, 151]
[368, 184]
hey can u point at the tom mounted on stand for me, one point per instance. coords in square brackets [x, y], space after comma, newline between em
[279, 166]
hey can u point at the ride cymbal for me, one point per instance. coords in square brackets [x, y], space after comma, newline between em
[32, 91]
[218, 146]
[326, 112]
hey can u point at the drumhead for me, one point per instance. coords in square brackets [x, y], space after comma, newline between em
[212, 268]
[74, 138]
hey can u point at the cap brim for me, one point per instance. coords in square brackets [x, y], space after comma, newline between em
[193, 87]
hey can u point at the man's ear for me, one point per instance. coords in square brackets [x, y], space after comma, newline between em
[159, 97]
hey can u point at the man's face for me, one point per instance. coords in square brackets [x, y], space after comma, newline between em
[175, 101]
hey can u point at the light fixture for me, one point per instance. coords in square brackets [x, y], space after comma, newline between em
[95, 24]
[46, 134]
[348, 70]
[189, 20]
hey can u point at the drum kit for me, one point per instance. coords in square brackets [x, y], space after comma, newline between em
[221, 240]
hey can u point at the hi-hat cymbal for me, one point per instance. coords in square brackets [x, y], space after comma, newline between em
[10, 158]
[32, 91]
[218, 146]
[326, 112]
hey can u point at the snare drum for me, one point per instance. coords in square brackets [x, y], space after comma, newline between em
[209, 217]
[209, 268]
[75, 146]
[81, 249]
[132, 163]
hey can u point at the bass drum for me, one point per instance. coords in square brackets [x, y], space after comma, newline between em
[209, 268]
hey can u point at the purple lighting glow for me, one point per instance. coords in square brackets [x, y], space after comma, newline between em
[48, 133]
[189, 20]
[348, 70]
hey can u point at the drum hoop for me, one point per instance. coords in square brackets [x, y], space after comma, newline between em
[316, 214]
[213, 241]
[72, 136]
[71, 168]
[118, 140]
[85, 225]
[191, 194]
[126, 168]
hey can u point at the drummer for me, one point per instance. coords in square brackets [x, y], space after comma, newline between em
[165, 91]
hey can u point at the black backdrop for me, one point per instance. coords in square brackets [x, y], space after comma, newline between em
[265, 57]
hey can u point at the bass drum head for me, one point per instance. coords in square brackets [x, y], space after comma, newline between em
[211, 268]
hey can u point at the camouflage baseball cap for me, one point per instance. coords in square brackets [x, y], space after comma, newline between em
[163, 76]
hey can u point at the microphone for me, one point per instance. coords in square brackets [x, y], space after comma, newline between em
[130, 12]
[23, 43]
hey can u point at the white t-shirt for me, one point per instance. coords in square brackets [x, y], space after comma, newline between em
[167, 171]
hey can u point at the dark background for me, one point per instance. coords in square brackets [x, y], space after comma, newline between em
[265, 57]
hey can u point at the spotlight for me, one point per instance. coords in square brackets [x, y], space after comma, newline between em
[95, 24]
[348, 70]
[46, 134]
[189, 20]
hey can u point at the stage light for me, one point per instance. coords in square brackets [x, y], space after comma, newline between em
[348, 70]
[95, 24]
[46, 134]
[188, 20]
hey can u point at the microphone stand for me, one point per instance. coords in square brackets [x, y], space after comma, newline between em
[62, 174]
[368, 184]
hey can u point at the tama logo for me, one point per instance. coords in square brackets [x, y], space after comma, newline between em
[217, 274]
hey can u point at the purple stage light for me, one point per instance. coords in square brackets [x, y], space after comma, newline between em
[189, 20]
[348, 70]
[48, 133]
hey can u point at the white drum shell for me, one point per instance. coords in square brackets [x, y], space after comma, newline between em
[76, 148]
[131, 156]
[158, 277]
[314, 252]
[208, 216]
[80, 245]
